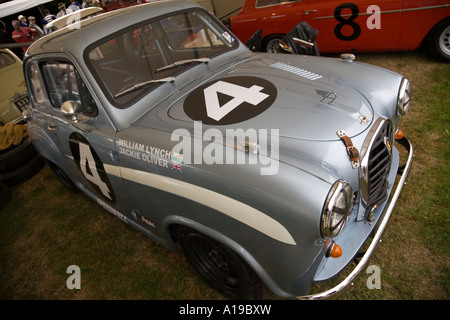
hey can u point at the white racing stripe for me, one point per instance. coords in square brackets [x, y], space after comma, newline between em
[232, 208]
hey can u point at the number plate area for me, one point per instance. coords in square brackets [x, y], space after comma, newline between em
[22, 103]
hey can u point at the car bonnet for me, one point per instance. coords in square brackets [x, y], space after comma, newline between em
[301, 99]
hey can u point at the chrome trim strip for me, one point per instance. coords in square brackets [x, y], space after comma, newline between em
[376, 239]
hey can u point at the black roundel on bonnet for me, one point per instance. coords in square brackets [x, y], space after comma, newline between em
[230, 100]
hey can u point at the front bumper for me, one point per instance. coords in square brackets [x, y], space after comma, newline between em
[378, 232]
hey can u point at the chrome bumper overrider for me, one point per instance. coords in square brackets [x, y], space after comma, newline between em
[376, 238]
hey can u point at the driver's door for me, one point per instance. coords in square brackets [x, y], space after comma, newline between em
[79, 144]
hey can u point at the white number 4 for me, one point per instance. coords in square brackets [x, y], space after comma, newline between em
[240, 95]
[86, 157]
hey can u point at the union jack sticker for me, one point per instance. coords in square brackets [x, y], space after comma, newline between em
[177, 162]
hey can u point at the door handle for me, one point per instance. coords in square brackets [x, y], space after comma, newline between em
[309, 11]
[52, 127]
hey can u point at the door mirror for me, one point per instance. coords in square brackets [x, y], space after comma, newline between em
[70, 109]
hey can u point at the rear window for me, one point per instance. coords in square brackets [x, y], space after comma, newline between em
[6, 60]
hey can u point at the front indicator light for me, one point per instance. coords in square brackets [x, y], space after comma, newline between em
[333, 251]
[336, 251]
[398, 134]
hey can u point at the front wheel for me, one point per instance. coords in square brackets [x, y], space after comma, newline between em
[438, 41]
[222, 268]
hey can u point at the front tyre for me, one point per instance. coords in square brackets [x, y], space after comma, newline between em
[438, 41]
[223, 269]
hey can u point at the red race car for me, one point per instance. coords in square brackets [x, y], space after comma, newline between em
[363, 26]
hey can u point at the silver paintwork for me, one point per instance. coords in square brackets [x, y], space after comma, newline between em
[348, 281]
[272, 222]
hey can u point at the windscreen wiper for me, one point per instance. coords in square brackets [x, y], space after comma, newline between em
[142, 85]
[181, 63]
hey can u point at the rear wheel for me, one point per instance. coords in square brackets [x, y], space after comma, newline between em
[63, 177]
[221, 267]
[272, 43]
[438, 41]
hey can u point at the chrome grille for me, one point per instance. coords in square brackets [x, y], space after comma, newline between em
[376, 156]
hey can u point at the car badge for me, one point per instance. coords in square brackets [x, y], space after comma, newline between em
[327, 96]
[387, 142]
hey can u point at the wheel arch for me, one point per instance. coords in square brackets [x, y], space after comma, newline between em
[173, 222]
[270, 37]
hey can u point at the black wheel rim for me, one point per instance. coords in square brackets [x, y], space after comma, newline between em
[215, 262]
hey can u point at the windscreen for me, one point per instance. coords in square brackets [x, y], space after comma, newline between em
[140, 59]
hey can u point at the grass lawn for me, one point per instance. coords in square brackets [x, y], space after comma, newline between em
[45, 228]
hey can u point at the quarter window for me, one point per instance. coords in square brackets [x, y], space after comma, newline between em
[37, 91]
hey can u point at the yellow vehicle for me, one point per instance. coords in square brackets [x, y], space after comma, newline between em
[13, 95]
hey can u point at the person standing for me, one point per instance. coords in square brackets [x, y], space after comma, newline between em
[22, 34]
[5, 38]
[48, 18]
[62, 10]
[73, 7]
[34, 26]
[23, 21]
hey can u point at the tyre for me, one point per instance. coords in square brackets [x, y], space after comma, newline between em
[23, 173]
[4, 194]
[63, 177]
[221, 267]
[271, 43]
[15, 157]
[438, 41]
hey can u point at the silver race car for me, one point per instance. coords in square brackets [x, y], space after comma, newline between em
[268, 170]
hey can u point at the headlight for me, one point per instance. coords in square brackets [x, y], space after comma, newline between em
[337, 208]
[404, 97]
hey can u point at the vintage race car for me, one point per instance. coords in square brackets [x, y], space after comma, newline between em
[13, 92]
[268, 170]
[362, 26]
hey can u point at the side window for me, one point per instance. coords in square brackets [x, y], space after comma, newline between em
[266, 3]
[64, 83]
[37, 91]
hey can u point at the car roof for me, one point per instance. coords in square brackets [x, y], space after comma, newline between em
[75, 38]
[70, 18]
